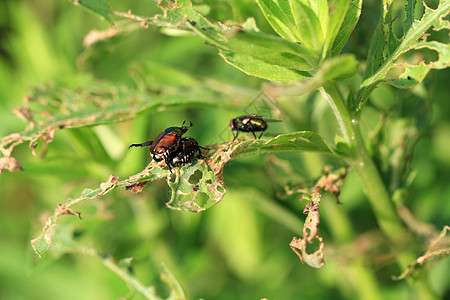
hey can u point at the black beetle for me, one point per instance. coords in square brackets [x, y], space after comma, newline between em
[186, 151]
[166, 142]
[248, 123]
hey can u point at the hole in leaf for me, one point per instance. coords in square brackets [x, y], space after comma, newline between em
[209, 181]
[172, 178]
[416, 56]
[313, 246]
[202, 199]
[77, 233]
[220, 189]
[195, 178]
[218, 159]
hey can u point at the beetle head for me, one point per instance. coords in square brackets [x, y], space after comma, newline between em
[185, 128]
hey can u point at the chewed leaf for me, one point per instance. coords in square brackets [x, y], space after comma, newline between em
[194, 187]
[388, 59]
[438, 249]
[330, 182]
[90, 102]
[9, 163]
[310, 233]
[42, 243]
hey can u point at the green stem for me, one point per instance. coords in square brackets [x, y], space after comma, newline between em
[330, 92]
[373, 186]
[147, 292]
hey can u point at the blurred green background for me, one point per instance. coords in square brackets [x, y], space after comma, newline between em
[239, 249]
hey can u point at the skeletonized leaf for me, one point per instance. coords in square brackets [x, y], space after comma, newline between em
[90, 102]
[194, 187]
[389, 58]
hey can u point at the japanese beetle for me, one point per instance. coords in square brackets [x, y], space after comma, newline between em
[166, 142]
[186, 151]
[248, 123]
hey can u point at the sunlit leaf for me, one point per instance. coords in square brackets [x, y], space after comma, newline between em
[258, 68]
[279, 16]
[308, 26]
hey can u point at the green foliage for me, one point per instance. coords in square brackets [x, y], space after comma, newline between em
[387, 60]
[132, 80]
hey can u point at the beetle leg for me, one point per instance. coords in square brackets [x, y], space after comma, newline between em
[235, 135]
[148, 143]
[254, 134]
[261, 134]
[168, 164]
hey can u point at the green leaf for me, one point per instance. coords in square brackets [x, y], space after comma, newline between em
[409, 8]
[296, 141]
[258, 68]
[269, 49]
[308, 26]
[338, 12]
[98, 7]
[388, 59]
[339, 68]
[240, 43]
[42, 243]
[347, 27]
[321, 9]
[279, 16]
[331, 70]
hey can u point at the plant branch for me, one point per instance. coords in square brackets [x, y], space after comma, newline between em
[109, 262]
[373, 186]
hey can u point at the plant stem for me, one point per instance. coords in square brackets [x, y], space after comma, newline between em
[330, 92]
[147, 292]
[373, 186]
